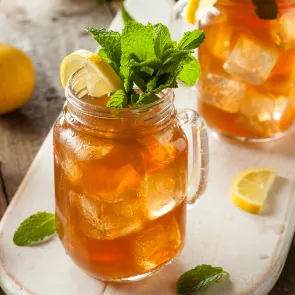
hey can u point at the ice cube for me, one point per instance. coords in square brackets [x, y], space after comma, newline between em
[110, 183]
[250, 61]
[222, 92]
[166, 188]
[279, 86]
[72, 170]
[220, 42]
[281, 82]
[91, 152]
[261, 113]
[107, 221]
[157, 244]
[117, 174]
[85, 147]
[162, 148]
[282, 30]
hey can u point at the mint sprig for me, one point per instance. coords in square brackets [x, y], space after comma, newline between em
[119, 99]
[35, 229]
[199, 277]
[146, 57]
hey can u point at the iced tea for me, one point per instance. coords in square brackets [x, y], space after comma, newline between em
[120, 196]
[248, 70]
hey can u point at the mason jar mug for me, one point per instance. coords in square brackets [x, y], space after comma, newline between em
[121, 182]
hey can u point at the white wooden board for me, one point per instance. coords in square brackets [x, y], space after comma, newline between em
[251, 248]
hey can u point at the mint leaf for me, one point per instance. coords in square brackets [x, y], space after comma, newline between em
[174, 54]
[162, 39]
[146, 98]
[190, 72]
[137, 42]
[134, 97]
[199, 277]
[137, 51]
[103, 54]
[125, 15]
[154, 63]
[125, 72]
[161, 82]
[118, 99]
[191, 40]
[166, 77]
[138, 80]
[34, 229]
[110, 41]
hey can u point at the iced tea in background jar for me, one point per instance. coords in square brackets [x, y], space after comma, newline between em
[246, 89]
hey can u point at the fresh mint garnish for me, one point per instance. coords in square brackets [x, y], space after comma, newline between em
[110, 41]
[199, 277]
[191, 40]
[125, 14]
[146, 57]
[118, 99]
[190, 72]
[137, 43]
[34, 229]
[146, 98]
[162, 40]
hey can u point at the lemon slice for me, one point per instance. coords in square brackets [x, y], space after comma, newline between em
[100, 78]
[250, 188]
[194, 6]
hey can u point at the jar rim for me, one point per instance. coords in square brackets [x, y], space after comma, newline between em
[95, 110]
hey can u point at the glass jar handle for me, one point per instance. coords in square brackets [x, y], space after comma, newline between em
[200, 167]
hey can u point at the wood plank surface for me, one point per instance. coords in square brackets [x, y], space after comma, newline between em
[47, 31]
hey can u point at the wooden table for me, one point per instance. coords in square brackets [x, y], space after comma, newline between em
[47, 31]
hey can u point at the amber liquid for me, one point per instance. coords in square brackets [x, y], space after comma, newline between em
[248, 78]
[120, 203]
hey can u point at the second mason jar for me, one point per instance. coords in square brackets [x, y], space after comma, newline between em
[247, 84]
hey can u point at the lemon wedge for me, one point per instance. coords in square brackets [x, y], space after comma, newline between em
[100, 78]
[194, 6]
[250, 188]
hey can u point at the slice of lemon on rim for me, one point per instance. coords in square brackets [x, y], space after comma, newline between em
[250, 188]
[100, 78]
[194, 6]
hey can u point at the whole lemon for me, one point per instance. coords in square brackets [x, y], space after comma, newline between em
[17, 78]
